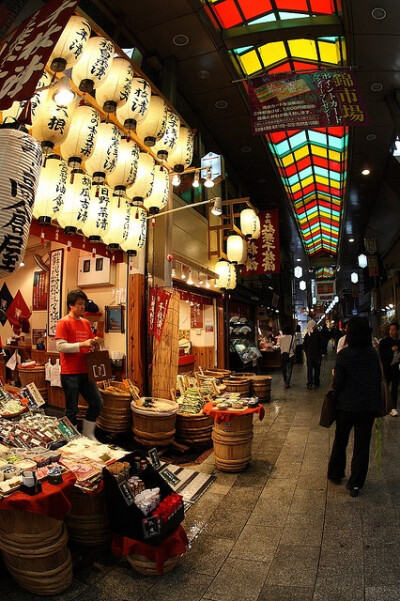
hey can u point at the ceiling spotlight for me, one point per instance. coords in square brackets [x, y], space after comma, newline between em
[22, 264]
[336, 299]
[298, 260]
[201, 281]
[173, 272]
[63, 94]
[376, 86]
[221, 104]
[183, 276]
[365, 171]
[209, 182]
[208, 285]
[351, 239]
[176, 180]
[190, 279]
[217, 208]
[196, 180]
[378, 13]
[180, 40]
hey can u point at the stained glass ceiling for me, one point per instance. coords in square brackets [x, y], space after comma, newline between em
[325, 273]
[312, 163]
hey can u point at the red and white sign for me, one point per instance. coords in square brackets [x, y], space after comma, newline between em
[23, 59]
[196, 316]
[263, 254]
[162, 303]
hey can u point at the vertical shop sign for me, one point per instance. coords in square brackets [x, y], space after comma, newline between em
[263, 254]
[23, 59]
[152, 309]
[39, 294]
[161, 309]
[55, 287]
[196, 316]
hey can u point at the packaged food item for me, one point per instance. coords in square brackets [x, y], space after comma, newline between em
[147, 500]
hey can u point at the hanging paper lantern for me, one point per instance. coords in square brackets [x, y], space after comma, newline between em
[40, 96]
[51, 123]
[118, 227]
[236, 249]
[114, 91]
[250, 224]
[158, 198]
[98, 217]
[13, 112]
[137, 105]
[223, 271]
[153, 126]
[166, 145]
[125, 172]
[94, 64]
[50, 194]
[105, 155]
[137, 231]
[20, 160]
[74, 211]
[81, 138]
[70, 45]
[143, 184]
[182, 155]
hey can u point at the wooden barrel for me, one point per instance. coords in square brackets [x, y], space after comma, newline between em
[243, 375]
[115, 415]
[36, 374]
[87, 522]
[240, 385]
[194, 430]
[261, 387]
[232, 443]
[35, 552]
[152, 428]
[145, 566]
[217, 373]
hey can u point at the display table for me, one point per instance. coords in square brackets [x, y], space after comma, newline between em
[270, 359]
[232, 436]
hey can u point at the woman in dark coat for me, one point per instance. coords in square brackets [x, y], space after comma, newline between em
[357, 383]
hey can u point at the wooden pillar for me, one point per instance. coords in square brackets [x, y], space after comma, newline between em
[221, 358]
[166, 352]
[136, 361]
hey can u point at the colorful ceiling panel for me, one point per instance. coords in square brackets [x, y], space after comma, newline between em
[312, 163]
[325, 273]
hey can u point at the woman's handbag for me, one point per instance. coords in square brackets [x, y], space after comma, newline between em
[328, 409]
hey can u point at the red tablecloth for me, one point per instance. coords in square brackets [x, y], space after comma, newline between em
[52, 502]
[226, 416]
[186, 359]
[174, 545]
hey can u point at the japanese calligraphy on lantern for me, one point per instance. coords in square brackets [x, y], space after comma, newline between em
[263, 254]
[55, 280]
[282, 101]
[23, 59]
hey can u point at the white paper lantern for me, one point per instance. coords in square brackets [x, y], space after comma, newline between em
[40, 96]
[168, 142]
[74, 211]
[98, 217]
[158, 198]
[137, 230]
[236, 249]
[137, 105]
[50, 193]
[94, 64]
[81, 138]
[70, 45]
[250, 224]
[105, 155]
[223, 270]
[114, 91]
[51, 123]
[20, 161]
[117, 231]
[182, 155]
[153, 126]
[144, 182]
[125, 172]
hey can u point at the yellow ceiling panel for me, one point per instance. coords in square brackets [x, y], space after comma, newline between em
[304, 49]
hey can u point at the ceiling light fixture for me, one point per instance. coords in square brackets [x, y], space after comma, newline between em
[196, 179]
[298, 260]
[209, 181]
[203, 74]
[221, 104]
[208, 285]
[366, 171]
[180, 40]
[362, 261]
[379, 13]
[183, 276]
[354, 277]
[63, 94]
[217, 208]
[246, 149]
[190, 279]
[351, 239]
[371, 137]
[376, 86]
[176, 180]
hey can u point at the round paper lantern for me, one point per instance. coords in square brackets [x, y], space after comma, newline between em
[153, 126]
[136, 107]
[20, 161]
[250, 224]
[182, 155]
[70, 45]
[94, 64]
[51, 123]
[125, 172]
[81, 138]
[50, 193]
[158, 198]
[137, 231]
[236, 249]
[98, 217]
[74, 211]
[168, 142]
[223, 271]
[143, 184]
[117, 230]
[114, 91]
[105, 155]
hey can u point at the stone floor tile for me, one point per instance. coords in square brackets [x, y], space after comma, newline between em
[178, 586]
[382, 593]
[285, 593]
[227, 524]
[303, 529]
[230, 584]
[76, 589]
[240, 497]
[206, 554]
[381, 565]
[294, 565]
[256, 543]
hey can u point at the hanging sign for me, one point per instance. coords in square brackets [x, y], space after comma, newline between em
[23, 59]
[282, 101]
[196, 316]
[263, 254]
[161, 309]
[152, 309]
[373, 266]
[54, 308]
[39, 293]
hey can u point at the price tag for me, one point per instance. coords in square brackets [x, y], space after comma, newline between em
[154, 458]
[170, 477]
[66, 428]
[151, 527]
[37, 398]
[126, 493]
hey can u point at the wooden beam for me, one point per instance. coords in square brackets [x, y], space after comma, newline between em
[136, 327]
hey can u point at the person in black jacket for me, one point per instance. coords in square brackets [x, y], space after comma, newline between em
[388, 346]
[313, 345]
[357, 385]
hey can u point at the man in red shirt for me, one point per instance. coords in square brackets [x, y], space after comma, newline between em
[75, 338]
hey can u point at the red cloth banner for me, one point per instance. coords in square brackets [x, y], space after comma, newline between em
[23, 59]
[162, 303]
[282, 101]
[18, 311]
[263, 255]
[196, 316]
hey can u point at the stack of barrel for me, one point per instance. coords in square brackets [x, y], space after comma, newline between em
[35, 375]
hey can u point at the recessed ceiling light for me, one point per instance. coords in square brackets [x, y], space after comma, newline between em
[371, 137]
[298, 260]
[180, 40]
[366, 171]
[221, 104]
[246, 149]
[203, 74]
[351, 239]
[378, 13]
[376, 86]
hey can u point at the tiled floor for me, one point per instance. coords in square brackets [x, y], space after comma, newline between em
[278, 531]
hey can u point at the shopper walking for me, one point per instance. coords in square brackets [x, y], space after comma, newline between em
[357, 386]
[313, 347]
[287, 344]
[342, 342]
[74, 338]
[299, 345]
[389, 348]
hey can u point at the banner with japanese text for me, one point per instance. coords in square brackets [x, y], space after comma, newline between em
[152, 309]
[23, 59]
[282, 101]
[161, 309]
[263, 255]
